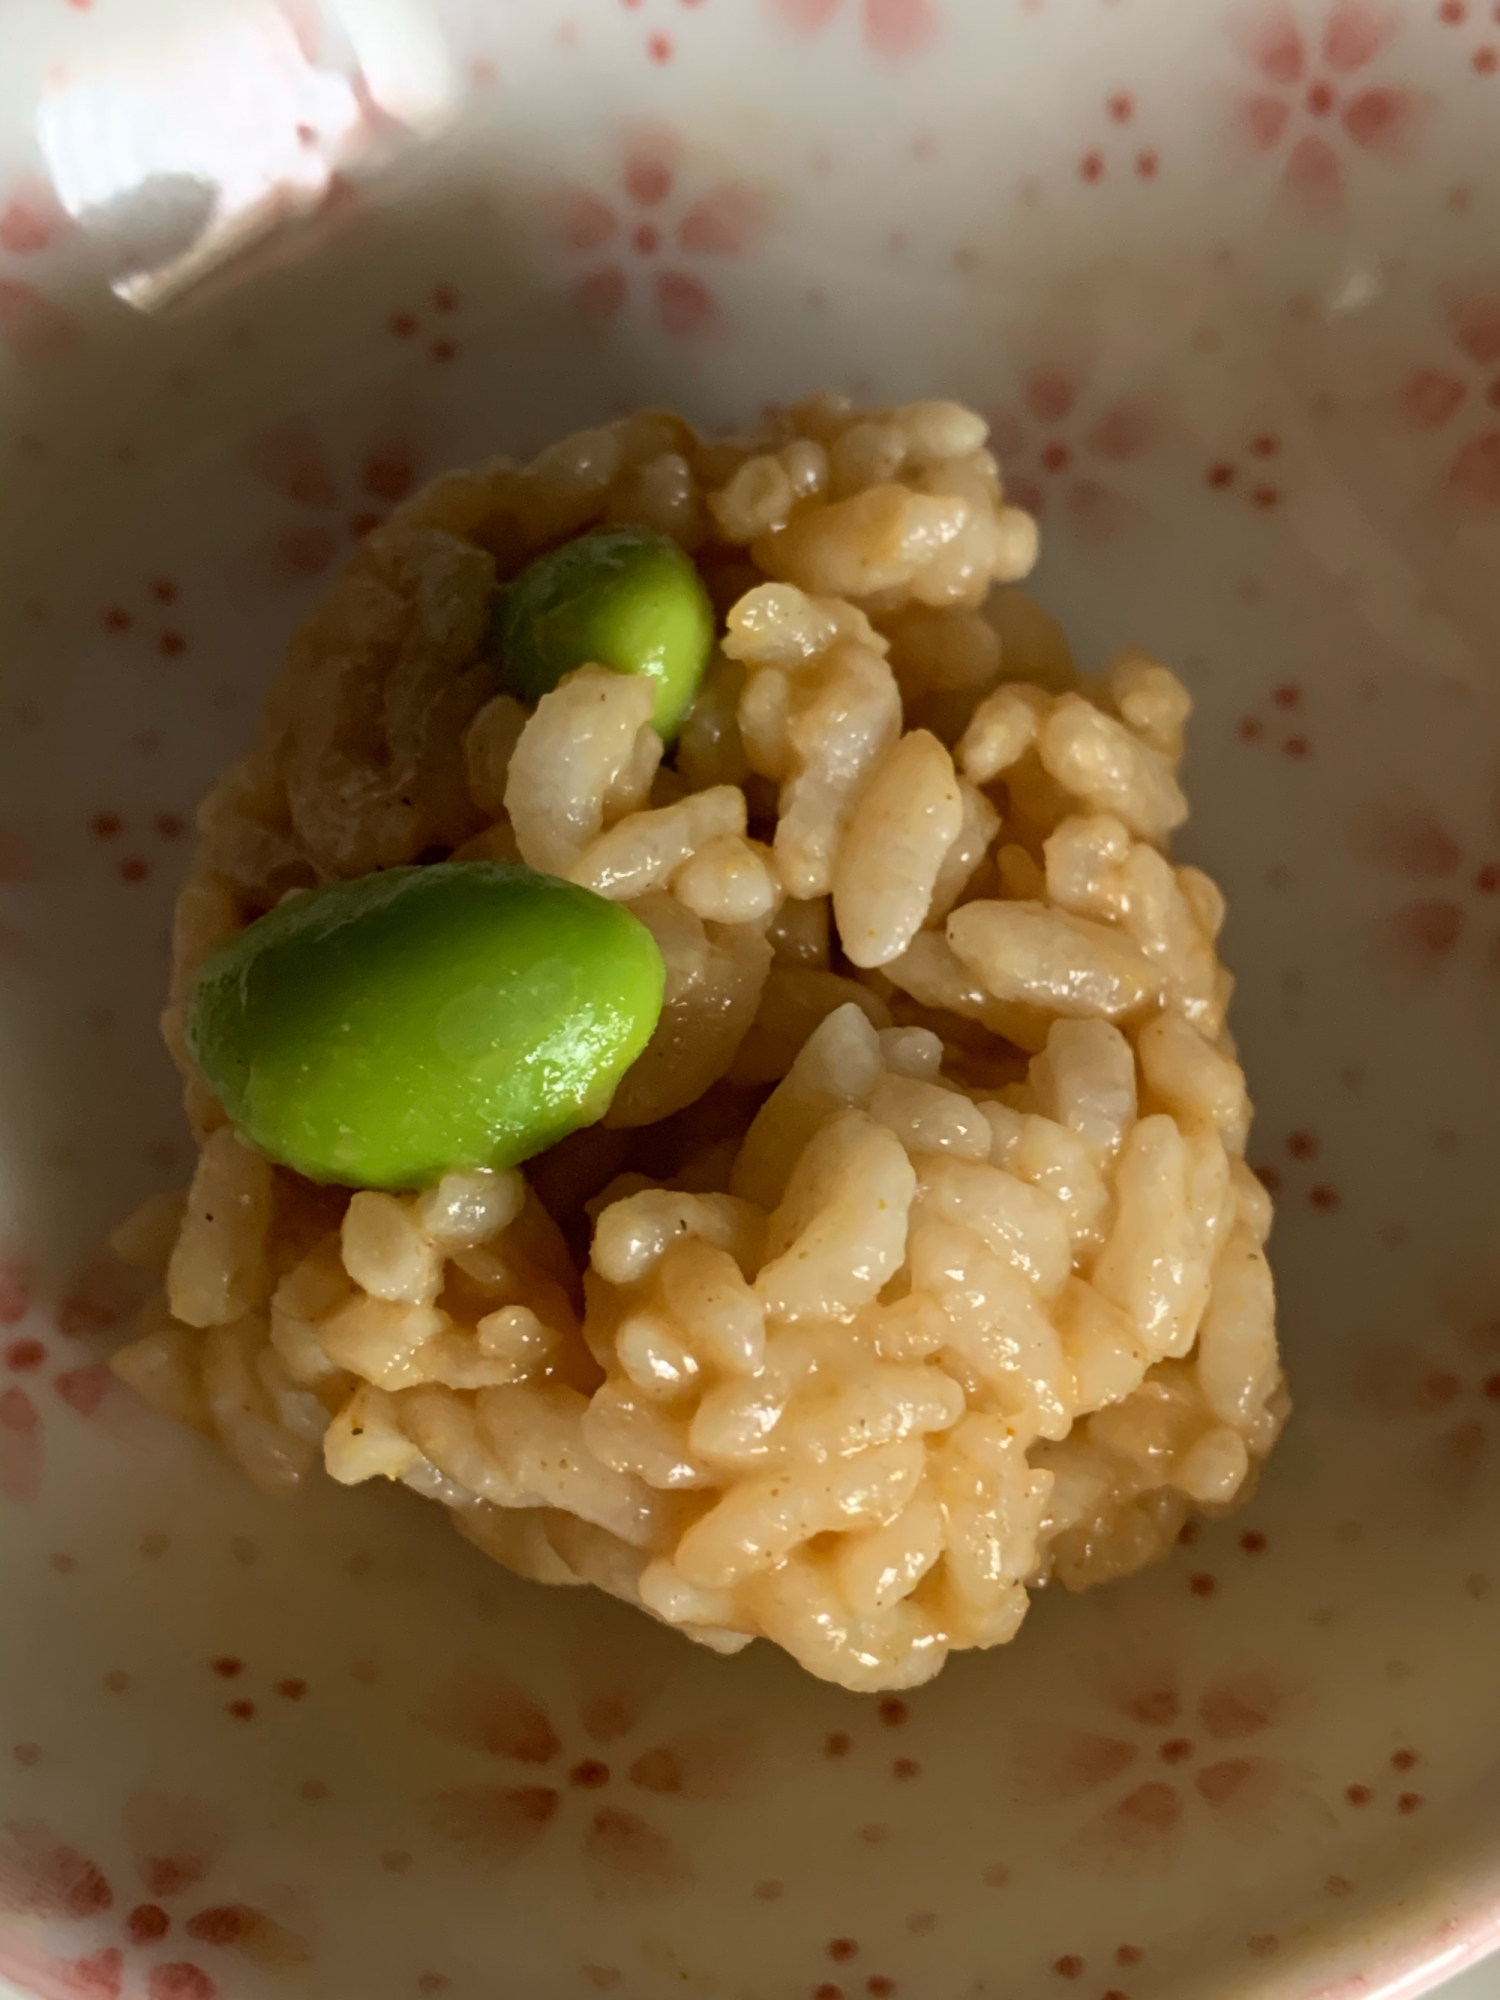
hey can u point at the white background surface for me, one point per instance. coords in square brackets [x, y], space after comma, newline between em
[1482, 1982]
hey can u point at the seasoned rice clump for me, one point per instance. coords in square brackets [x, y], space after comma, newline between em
[916, 1262]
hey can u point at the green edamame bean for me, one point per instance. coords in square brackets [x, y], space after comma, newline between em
[622, 598]
[382, 1031]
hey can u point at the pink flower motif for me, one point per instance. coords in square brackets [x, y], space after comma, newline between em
[21, 1446]
[290, 459]
[646, 231]
[625, 1852]
[895, 29]
[1311, 100]
[1428, 398]
[33, 219]
[1167, 1760]
[1445, 1391]
[1050, 445]
[174, 1844]
[1456, 890]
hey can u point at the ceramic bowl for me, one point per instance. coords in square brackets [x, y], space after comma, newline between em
[1225, 278]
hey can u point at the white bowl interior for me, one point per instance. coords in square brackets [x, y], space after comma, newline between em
[330, 1748]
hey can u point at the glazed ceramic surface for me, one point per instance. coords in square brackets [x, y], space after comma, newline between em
[1227, 279]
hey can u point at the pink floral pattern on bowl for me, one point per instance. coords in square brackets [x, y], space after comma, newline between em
[1232, 305]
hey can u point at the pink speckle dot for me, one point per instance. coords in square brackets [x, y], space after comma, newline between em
[1056, 458]
[1265, 497]
[1405, 1760]
[1129, 1954]
[1358, 1795]
[828, 1991]
[443, 350]
[1266, 445]
[24, 1355]
[312, 1789]
[1176, 1750]
[242, 1711]
[1220, 475]
[905, 1768]
[1189, 1534]
[402, 324]
[1287, 695]
[227, 1666]
[1253, 1542]
[117, 1680]
[170, 825]
[1297, 748]
[837, 1744]
[1486, 60]
[117, 619]
[164, 590]
[1148, 163]
[171, 644]
[63, 1564]
[893, 1712]
[291, 1689]
[647, 239]
[147, 1922]
[1320, 99]
[134, 869]
[590, 1775]
[445, 298]
[26, 1754]
[433, 1982]
[1121, 107]
[996, 1876]
[1410, 1802]
[1091, 167]
[880, 1985]
[843, 1947]
[1453, 13]
[1069, 1966]
[1303, 1145]
[1202, 1585]
[659, 48]
[1324, 1197]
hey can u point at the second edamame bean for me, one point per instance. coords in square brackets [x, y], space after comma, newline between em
[623, 598]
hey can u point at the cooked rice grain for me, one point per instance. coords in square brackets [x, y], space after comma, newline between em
[916, 1261]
